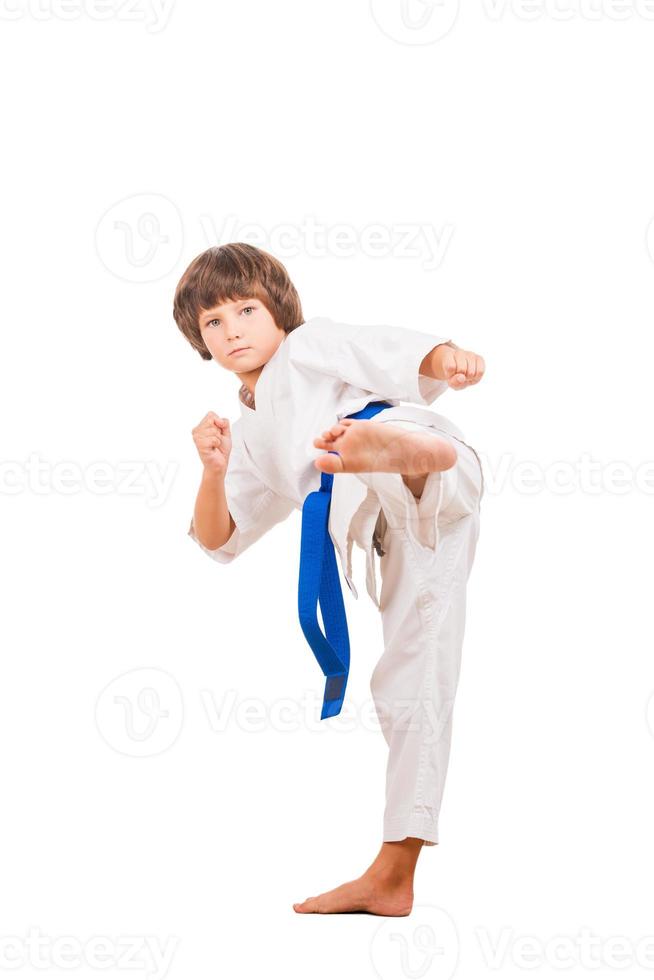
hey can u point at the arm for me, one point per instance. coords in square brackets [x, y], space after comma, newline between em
[256, 510]
[213, 523]
[234, 508]
[383, 359]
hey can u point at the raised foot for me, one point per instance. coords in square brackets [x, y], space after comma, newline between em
[364, 894]
[366, 446]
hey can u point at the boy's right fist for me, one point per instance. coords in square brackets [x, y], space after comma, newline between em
[213, 441]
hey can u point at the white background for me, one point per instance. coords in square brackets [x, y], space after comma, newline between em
[134, 137]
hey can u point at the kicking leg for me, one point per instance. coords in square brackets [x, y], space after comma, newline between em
[416, 484]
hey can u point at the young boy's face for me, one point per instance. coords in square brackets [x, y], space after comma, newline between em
[247, 324]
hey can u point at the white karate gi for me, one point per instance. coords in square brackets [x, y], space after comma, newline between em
[321, 372]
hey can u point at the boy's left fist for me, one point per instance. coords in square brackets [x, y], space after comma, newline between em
[458, 367]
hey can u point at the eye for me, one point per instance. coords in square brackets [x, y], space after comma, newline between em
[247, 308]
[211, 322]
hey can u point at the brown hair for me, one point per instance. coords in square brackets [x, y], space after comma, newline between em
[232, 272]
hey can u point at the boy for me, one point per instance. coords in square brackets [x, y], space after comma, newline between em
[405, 483]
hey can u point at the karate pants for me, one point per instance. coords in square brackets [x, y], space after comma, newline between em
[426, 547]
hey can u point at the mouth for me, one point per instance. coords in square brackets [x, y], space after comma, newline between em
[239, 350]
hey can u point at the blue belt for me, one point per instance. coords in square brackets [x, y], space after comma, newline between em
[319, 582]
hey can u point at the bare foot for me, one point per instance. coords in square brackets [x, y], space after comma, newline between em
[369, 893]
[366, 446]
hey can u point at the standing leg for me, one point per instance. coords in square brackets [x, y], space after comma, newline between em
[427, 550]
[423, 606]
[429, 541]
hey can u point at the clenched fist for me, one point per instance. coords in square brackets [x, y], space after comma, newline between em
[213, 441]
[457, 366]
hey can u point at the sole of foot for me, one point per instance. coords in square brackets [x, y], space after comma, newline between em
[361, 895]
[366, 446]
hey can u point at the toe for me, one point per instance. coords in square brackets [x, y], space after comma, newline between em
[306, 906]
[329, 463]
